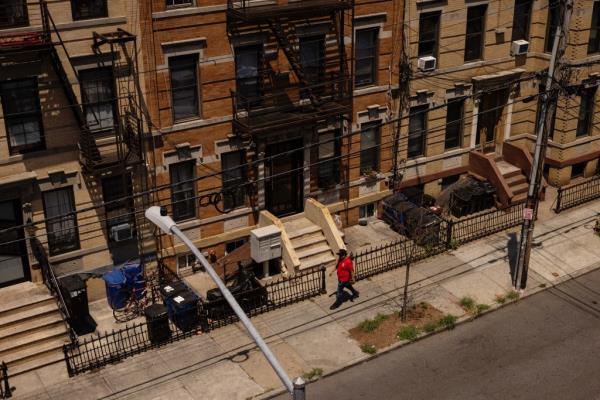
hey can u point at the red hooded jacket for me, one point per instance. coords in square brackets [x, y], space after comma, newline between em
[344, 269]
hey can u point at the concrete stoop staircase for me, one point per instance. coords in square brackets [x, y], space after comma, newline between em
[309, 242]
[515, 179]
[32, 332]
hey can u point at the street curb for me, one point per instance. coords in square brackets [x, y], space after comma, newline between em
[460, 321]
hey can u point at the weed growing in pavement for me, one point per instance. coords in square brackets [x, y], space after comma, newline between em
[500, 299]
[313, 374]
[409, 332]
[513, 295]
[430, 327]
[453, 244]
[481, 308]
[542, 285]
[368, 348]
[369, 325]
[448, 321]
[467, 303]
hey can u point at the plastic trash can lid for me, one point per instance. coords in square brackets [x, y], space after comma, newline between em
[114, 277]
[155, 311]
[72, 283]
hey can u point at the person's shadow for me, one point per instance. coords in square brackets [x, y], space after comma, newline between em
[512, 247]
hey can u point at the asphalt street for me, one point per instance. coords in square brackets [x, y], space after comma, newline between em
[544, 347]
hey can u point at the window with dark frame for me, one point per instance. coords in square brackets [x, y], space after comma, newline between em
[594, 40]
[13, 14]
[552, 24]
[88, 9]
[417, 131]
[312, 58]
[61, 220]
[116, 194]
[248, 60]
[234, 178]
[179, 3]
[370, 138]
[100, 102]
[365, 68]
[454, 123]
[183, 189]
[475, 36]
[521, 20]
[329, 162]
[184, 87]
[578, 170]
[235, 244]
[586, 111]
[22, 115]
[429, 33]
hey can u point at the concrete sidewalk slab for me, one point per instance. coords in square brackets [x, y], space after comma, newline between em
[475, 285]
[222, 381]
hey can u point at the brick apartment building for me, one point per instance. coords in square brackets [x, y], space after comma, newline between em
[69, 144]
[259, 100]
[477, 83]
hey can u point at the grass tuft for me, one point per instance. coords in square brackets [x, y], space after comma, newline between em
[513, 295]
[448, 321]
[481, 308]
[368, 348]
[313, 374]
[430, 327]
[369, 325]
[467, 303]
[409, 332]
[500, 299]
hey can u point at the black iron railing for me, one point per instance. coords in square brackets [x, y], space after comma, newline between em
[577, 194]
[111, 347]
[5, 389]
[52, 284]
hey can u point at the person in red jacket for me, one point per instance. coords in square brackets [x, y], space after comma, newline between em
[344, 269]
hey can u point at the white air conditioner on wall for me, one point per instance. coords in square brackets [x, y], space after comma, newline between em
[427, 63]
[519, 47]
[121, 232]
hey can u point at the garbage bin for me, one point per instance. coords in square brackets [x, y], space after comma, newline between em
[74, 293]
[116, 289]
[157, 321]
[184, 311]
[133, 273]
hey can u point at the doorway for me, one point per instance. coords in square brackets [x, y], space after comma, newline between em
[284, 184]
[14, 265]
[488, 121]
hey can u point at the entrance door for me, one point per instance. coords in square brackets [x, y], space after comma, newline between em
[14, 266]
[284, 184]
[490, 113]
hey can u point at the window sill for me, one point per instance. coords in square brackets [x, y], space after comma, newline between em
[85, 23]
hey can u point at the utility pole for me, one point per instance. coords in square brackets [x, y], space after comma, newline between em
[548, 106]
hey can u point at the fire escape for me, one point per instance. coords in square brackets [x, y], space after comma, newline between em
[118, 150]
[288, 100]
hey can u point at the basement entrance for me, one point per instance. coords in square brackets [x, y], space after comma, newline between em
[284, 184]
[14, 266]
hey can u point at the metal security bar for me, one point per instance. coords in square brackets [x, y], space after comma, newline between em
[577, 194]
[5, 389]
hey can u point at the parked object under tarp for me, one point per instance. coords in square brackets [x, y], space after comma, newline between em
[467, 196]
[410, 220]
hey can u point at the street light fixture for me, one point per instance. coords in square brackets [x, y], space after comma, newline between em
[158, 216]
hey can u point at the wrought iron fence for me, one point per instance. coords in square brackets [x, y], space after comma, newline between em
[5, 389]
[577, 194]
[114, 346]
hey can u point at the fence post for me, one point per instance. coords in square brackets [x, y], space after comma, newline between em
[558, 200]
[323, 285]
[449, 225]
[7, 388]
[66, 353]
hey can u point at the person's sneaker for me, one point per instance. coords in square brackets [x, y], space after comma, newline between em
[356, 295]
[334, 306]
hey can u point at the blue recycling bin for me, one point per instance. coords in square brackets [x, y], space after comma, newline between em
[116, 289]
[133, 272]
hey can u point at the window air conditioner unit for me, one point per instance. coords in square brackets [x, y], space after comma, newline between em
[427, 63]
[519, 47]
[121, 232]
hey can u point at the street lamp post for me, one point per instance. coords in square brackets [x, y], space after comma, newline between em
[158, 216]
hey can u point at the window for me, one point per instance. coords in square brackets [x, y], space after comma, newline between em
[61, 221]
[594, 41]
[586, 111]
[370, 137]
[22, 115]
[247, 78]
[475, 36]
[312, 58]
[116, 193]
[329, 163]
[417, 129]
[234, 178]
[99, 99]
[429, 32]
[13, 13]
[231, 246]
[521, 20]
[179, 3]
[184, 86]
[367, 210]
[183, 190]
[454, 123]
[578, 170]
[186, 260]
[87, 9]
[553, 21]
[366, 57]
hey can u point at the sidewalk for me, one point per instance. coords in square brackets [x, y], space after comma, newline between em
[224, 364]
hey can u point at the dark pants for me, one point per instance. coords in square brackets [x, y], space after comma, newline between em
[339, 295]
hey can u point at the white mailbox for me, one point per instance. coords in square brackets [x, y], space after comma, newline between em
[265, 243]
